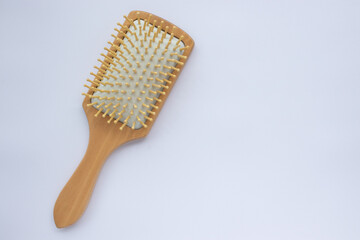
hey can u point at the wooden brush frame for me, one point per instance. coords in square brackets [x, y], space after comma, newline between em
[105, 137]
[142, 132]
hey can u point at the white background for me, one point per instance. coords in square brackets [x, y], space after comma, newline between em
[259, 138]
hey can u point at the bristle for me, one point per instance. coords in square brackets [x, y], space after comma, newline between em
[91, 104]
[159, 28]
[98, 112]
[178, 55]
[93, 82]
[106, 112]
[136, 71]
[104, 63]
[125, 27]
[184, 48]
[136, 37]
[131, 22]
[99, 69]
[138, 17]
[176, 61]
[112, 115]
[147, 21]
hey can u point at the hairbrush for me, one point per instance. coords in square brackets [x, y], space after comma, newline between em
[124, 98]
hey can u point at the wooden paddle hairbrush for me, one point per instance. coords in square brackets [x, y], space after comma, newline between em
[124, 98]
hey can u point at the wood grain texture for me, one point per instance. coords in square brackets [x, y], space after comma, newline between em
[103, 139]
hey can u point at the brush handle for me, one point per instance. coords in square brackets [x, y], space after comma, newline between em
[76, 194]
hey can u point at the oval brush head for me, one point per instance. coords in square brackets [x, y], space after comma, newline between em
[125, 96]
[140, 65]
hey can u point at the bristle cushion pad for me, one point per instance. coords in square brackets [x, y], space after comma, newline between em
[135, 80]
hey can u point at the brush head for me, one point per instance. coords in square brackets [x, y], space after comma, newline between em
[138, 71]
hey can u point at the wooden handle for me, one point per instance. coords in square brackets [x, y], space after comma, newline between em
[76, 194]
